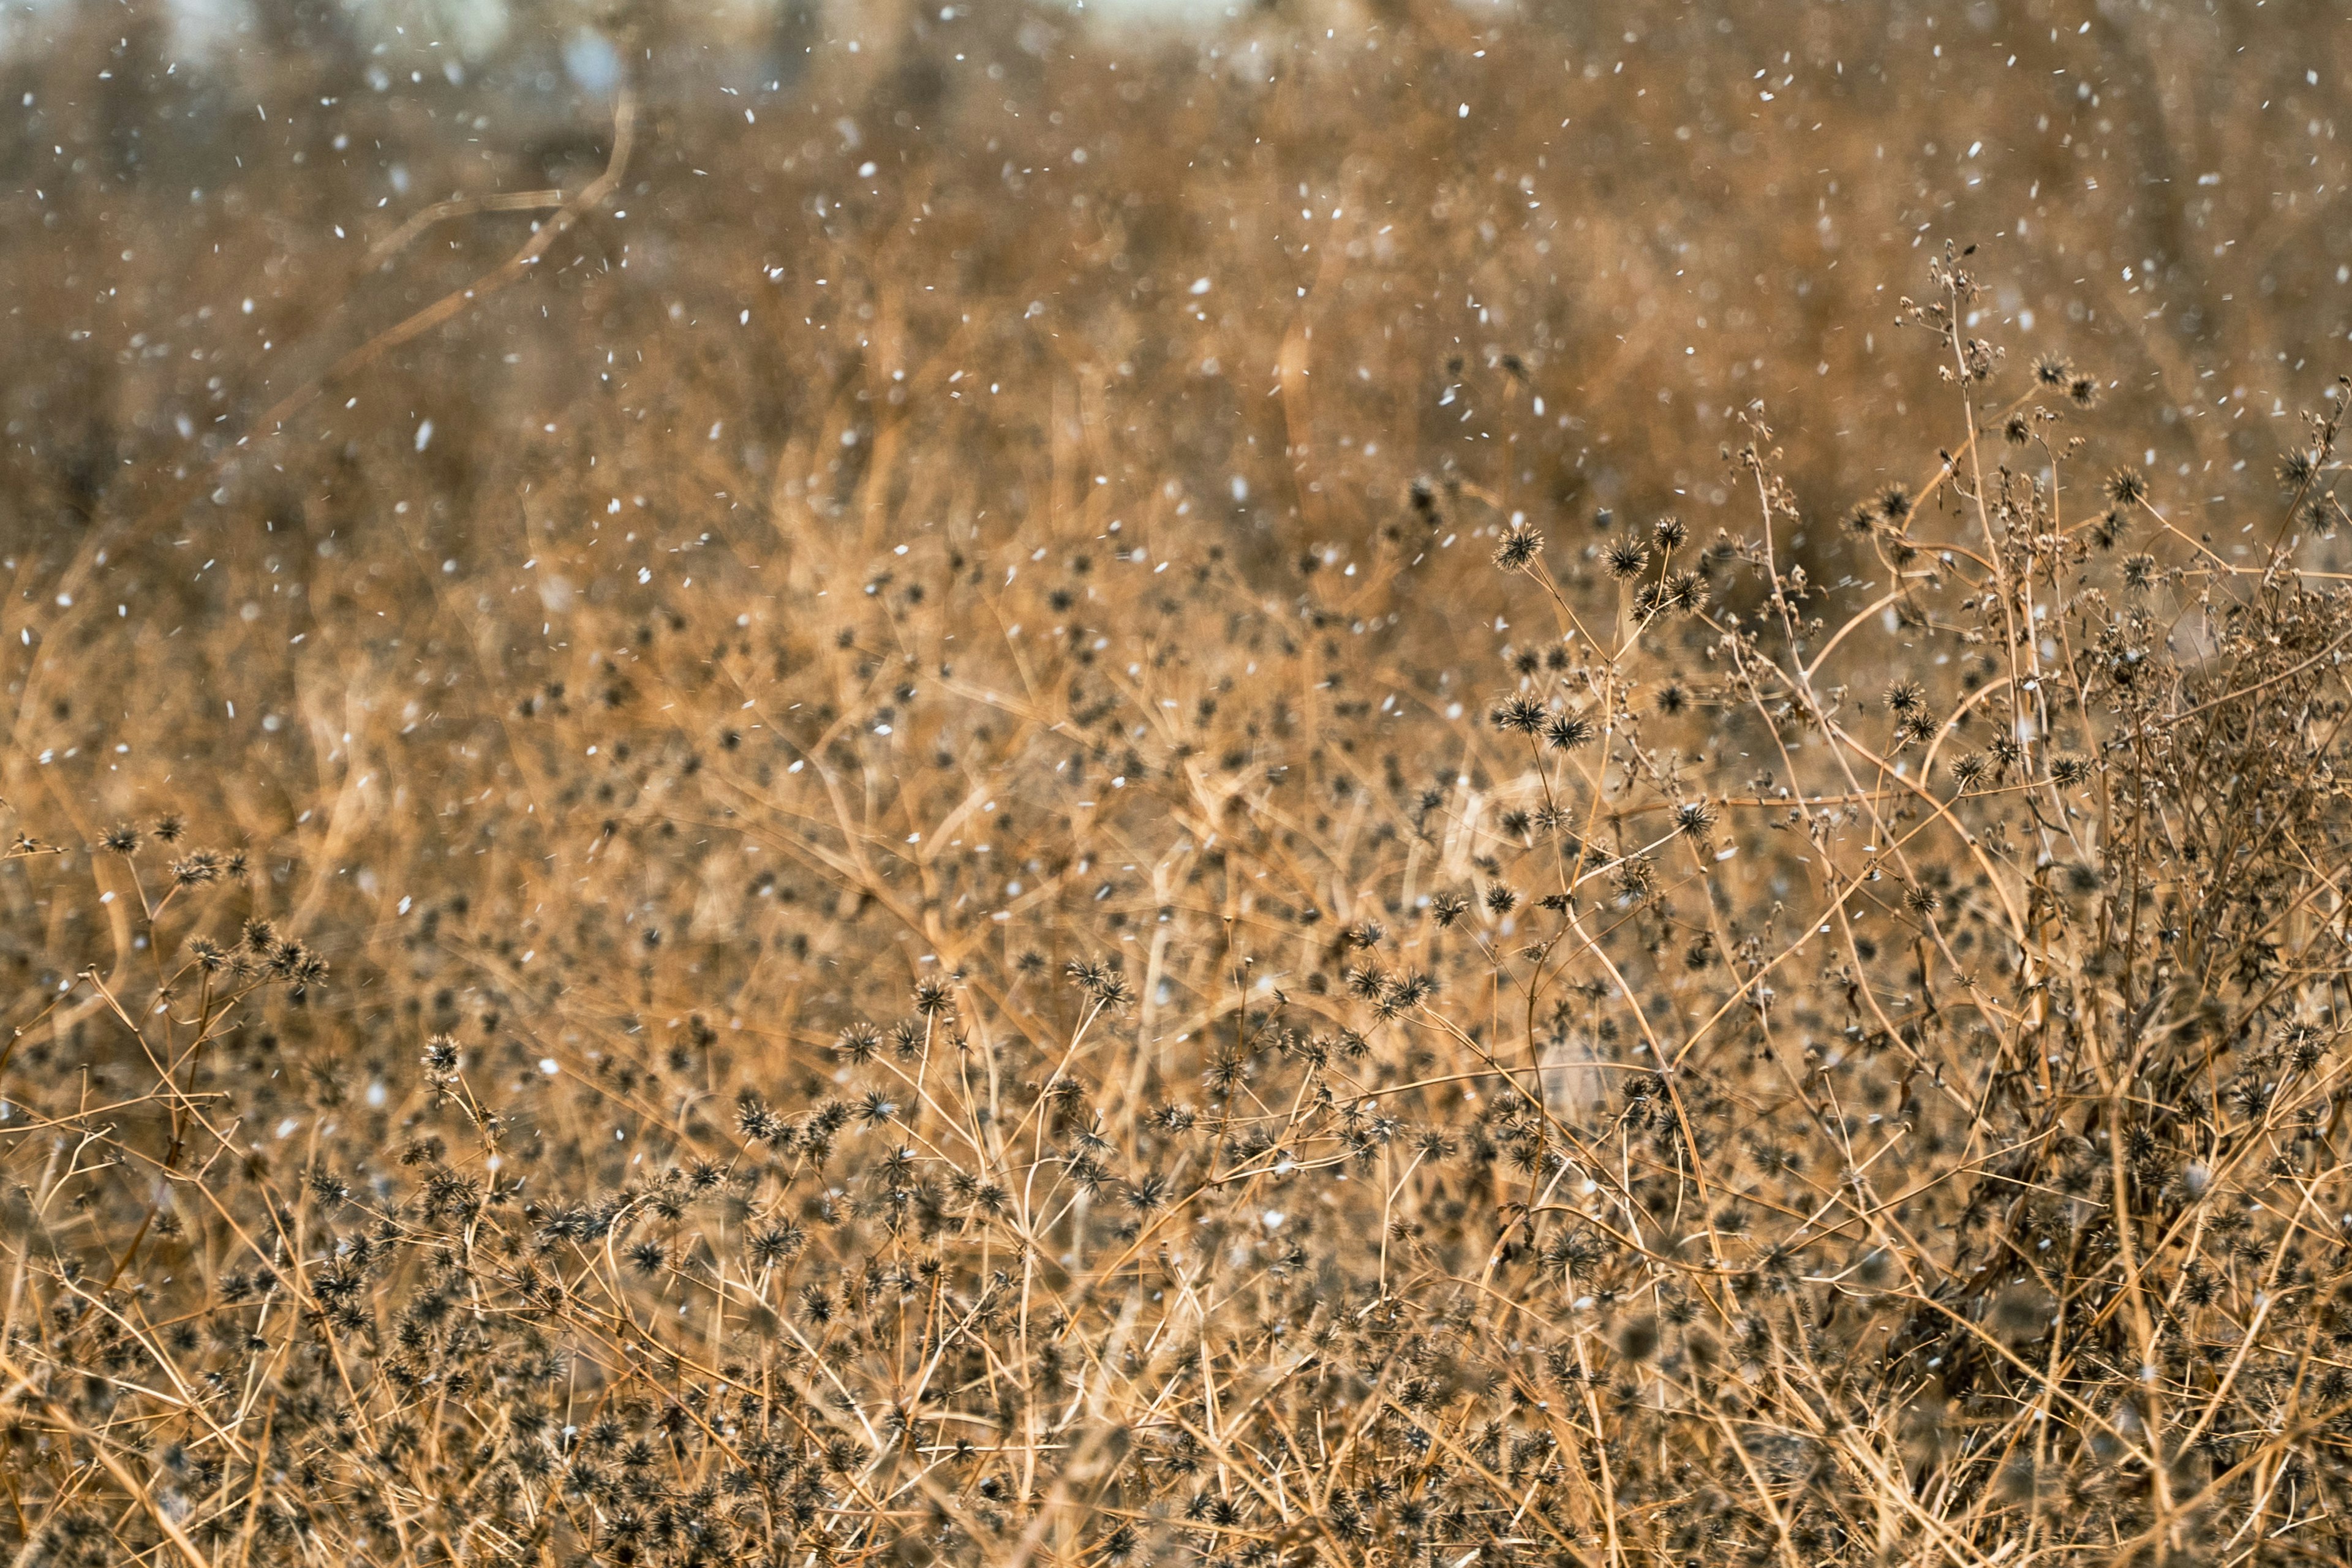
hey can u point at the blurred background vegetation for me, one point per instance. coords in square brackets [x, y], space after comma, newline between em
[1644, 215]
[1542, 249]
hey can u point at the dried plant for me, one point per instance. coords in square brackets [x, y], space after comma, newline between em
[875, 922]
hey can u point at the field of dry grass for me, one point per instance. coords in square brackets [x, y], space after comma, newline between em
[1390, 785]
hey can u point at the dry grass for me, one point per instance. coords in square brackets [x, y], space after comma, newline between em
[815, 864]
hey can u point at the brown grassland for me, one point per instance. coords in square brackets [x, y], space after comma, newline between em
[1388, 784]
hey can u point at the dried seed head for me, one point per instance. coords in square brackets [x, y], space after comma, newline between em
[1520, 715]
[1519, 549]
[1565, 732]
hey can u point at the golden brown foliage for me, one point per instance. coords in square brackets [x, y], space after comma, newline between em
[804, 831]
